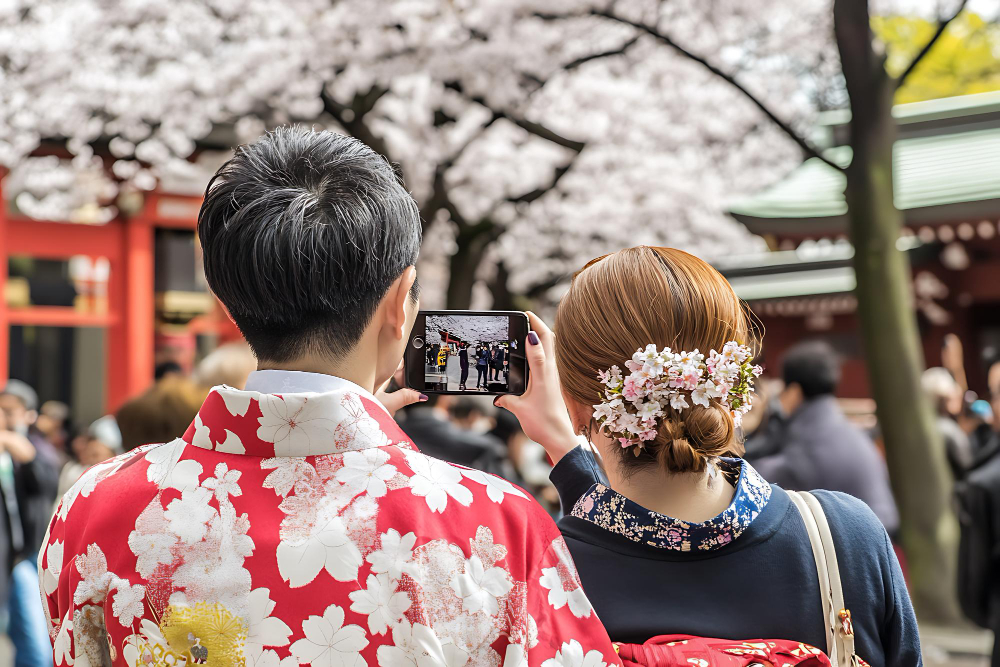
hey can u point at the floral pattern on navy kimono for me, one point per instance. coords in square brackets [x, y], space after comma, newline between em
[615, 513]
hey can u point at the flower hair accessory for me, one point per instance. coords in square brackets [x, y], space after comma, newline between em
[659, 378]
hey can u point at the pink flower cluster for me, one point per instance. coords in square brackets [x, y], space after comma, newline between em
[661, 378]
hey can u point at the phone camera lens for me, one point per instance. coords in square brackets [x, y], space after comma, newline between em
[418, 342]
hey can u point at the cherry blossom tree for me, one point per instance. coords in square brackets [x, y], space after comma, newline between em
[526, 142]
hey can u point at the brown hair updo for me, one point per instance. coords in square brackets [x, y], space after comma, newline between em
[620, 303]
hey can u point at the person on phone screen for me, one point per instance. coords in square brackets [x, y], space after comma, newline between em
[463, 362]
[482, 363]
[295, 522]
[683, 537]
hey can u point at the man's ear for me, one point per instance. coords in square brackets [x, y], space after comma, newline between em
[399, 301]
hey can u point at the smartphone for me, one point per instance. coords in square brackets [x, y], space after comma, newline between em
[468, 352]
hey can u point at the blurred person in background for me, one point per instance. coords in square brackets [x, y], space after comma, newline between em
[228, 364]
[432, 429]
[947, 398]
[53, 423]
[764, 425]
[820, 448]
[29, 482]
[976, 420]
[102, 441]
[470, 414]
[166, 369]
[161, 414]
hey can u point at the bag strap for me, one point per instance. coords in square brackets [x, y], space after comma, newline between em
[837, 618]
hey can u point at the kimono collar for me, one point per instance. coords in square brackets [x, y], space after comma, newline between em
[615, 513]
[293, 414]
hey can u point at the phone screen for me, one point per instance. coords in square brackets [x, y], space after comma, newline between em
[468, 352]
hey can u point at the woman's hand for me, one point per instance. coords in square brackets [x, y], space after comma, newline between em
[541, 409]
[394, 400]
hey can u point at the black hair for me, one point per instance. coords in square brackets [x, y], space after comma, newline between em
[814, 366]
[303, 233]
[167, 368]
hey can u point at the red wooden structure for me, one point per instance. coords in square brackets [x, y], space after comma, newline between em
[130, 318]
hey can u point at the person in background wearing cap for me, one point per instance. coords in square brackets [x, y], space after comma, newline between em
[29, 480]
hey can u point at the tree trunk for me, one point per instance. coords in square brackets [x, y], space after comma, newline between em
[914, 448]
[472, 242]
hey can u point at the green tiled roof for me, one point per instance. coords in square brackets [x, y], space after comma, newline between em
[930, 171]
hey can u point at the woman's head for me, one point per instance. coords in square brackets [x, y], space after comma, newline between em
[637, 296]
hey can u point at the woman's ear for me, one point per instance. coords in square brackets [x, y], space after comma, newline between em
[579, 414]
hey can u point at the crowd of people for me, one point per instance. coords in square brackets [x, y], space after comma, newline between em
[490, 360]
[309, 514]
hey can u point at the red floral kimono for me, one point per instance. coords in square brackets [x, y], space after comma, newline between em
[306, 528]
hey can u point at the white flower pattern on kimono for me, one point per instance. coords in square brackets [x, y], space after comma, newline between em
[95, 580]
[327, 544]
[366, 471]
[127, 603]
[225, 483]
[264, 629]
[330, 643]
[435, 481]
[288, 471]
[479, 587]
[496, 487]
[62, 646]
[53, 566]
[189, 514]
[381, 602]
[571, 655]
[166, 469]
[394, 555]
[418, 645]
[564, 584]
[297, 425]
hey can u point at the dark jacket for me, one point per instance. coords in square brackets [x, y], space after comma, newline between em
[482, 358]
[498, 357]
[760, 585]
[37, 485]
[463, 359]
[441, 439]
[820, 449]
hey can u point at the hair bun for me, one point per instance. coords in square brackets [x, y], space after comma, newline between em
[686, 441]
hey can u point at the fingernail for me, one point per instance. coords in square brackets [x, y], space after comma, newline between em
[423, 397]
[495, 401]
[532, 338]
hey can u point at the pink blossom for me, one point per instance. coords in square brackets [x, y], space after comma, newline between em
[647, 435]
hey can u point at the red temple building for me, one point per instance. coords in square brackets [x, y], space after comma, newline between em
[90, 305]
[947, 179]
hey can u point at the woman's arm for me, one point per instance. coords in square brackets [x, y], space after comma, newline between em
[541, 409]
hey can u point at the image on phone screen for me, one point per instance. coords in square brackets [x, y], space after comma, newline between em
[468, 352]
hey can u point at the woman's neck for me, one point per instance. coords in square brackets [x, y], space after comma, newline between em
[693, 497]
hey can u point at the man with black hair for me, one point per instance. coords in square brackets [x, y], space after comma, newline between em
[295, 522]
[819, 447]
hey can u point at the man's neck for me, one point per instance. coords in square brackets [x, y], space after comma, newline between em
[349, 368]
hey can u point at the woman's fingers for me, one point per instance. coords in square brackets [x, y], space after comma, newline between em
[400, 398]
[545, 334]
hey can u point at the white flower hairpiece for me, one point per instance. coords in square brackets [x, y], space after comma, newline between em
[659, 378]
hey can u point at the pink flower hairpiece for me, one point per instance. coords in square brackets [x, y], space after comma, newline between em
[659, 378]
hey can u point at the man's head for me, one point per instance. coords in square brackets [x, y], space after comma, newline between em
[309, 241]
[19, 403]
[810, 370]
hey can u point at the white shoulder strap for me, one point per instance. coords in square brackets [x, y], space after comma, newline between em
[839, 631]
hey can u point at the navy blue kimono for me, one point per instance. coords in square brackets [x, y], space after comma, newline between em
[746, 574]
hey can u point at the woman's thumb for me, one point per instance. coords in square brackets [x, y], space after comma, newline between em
[400, 398]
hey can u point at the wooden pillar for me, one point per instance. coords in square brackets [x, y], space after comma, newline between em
[131, 300]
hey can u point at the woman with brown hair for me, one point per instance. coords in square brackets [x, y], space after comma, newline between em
[652, 362]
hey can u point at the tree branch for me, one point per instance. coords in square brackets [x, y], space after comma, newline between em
[539, 192]
[621, 50]
[807, 147]
[929, 45]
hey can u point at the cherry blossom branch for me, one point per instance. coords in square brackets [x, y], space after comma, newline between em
[801, 141]
[620, 51]
[942, 26]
